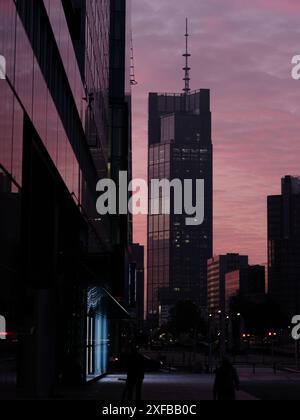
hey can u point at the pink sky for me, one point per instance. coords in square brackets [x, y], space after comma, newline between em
[242, 51]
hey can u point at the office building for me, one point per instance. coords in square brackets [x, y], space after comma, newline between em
[57, 257]
[136, 286]
[247, 283]
[284, 246]
[218, 267]
[180, 147]
[120, 136]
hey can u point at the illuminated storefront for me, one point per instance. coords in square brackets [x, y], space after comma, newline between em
[97, 334]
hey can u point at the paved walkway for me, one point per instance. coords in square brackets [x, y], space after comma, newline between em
[157, 387]
[263, 385]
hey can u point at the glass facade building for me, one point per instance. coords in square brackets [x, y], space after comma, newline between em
[54, 146]
[218, 267]
[284, 246]
[180, 147]
[120, 135]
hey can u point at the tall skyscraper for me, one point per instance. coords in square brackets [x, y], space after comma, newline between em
[57, 256]
[120, 158]
[284, 246]
[180, 147]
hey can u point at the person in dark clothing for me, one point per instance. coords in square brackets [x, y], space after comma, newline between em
[226, 382]
[135, 374]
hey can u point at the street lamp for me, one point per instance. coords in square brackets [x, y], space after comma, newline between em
[272, 335]
[222, 326]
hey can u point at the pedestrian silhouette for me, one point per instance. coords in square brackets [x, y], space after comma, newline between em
[226, 382]
[135, 374]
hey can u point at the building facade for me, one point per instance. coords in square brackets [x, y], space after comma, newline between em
[57, 257]
[232, 287]
[247, 283]
[136, 286]
[180, 147]
[218, 267]
[120, 134]
[284, 246]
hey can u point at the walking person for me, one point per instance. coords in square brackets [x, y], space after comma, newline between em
[135, 374]
[227, 382]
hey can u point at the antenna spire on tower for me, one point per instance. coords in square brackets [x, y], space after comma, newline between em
[187, 69]
[133, 81]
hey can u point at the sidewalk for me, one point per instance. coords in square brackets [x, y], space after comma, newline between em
[157, 387]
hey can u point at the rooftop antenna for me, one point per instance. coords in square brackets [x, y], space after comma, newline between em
[187, 69]
[133, 81]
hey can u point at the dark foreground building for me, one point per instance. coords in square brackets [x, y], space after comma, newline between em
[57, 257]
[136, 287]
[284, 246]
[180, 147]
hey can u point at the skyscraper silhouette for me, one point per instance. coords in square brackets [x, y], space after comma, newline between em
[284, 246]
[180, 147]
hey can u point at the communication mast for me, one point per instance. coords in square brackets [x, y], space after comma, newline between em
[133, 81]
